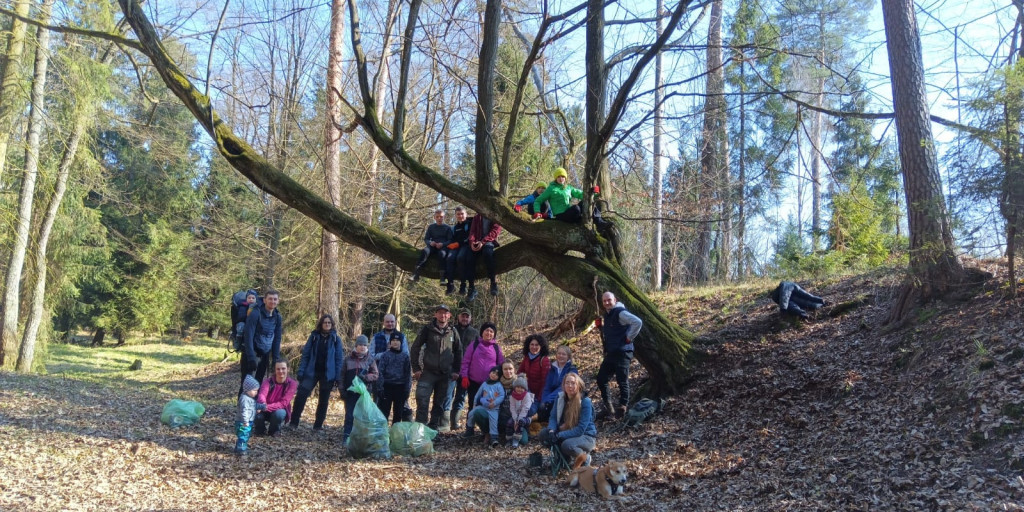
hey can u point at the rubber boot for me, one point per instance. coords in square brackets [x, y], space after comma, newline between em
[444, 423]
[455, 419]
[606, 410]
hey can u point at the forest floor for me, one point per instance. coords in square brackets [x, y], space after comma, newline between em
[829, 414]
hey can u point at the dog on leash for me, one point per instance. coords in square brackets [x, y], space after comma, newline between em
[606, 480]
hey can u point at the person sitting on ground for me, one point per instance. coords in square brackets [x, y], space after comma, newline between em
[571, 427]
[437, 237]
[480, 356]
[520, 406]
[457, 249]
[487, 400]
[535, 363]
[483, 239]
[395, 370]
[559, 369]
[358, 364]
[274, 401]
[322, 358]
[246, 414]
[794, 300]
[529, 202]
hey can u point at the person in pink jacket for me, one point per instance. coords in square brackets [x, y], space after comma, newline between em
[480, 356]
[274, 401]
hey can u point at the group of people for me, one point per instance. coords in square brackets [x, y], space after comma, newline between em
[455, 365]
[459, 246]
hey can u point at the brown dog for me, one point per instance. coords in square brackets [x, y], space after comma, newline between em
[606, 480]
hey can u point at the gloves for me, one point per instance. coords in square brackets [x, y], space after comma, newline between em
[538, 215]
[597, 322]
[453, 245]
[597, 189]
[465, 383]
[261, 406]
[518, 208]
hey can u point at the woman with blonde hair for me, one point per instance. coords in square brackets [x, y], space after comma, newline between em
[571, 426]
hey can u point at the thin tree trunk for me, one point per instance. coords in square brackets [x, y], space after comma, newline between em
[711, 159]
[816, 122]
[329, 299]
[934, 266]
[10, 82]
[741, 220]
[659, 95]
[12, 293]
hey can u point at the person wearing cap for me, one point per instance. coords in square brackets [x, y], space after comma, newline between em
[439, 346]
[457, 249]
[322, 358]
[437, 236]
[358, 364]
[530, 202]
[559, 195]
[457, 393]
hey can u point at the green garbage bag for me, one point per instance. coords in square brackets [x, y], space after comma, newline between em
[412, 439]
[369, 436]
[181, 413]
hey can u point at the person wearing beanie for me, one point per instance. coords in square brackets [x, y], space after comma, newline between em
[559, 195]
[358, 364]
[529, 202]
[487, 400]
[520, 406]
[481, 355]
[395, 381]
[246, 414]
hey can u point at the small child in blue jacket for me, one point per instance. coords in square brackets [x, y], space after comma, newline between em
[487, 402]
[246, 414]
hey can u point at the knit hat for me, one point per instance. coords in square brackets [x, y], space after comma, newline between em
[250, 383]
[395, 335]
[520, 382]
[489, 325]
[561, 172]
[540, 184]
[361, 340]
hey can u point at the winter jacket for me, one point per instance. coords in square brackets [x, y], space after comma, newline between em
[380, 342]
[480, 356]
[536, 371]
[521, 409]
[437, 233]
[484, 230]
[441, 349]
[619, 328]
[362, 366]
[554, 383]
[490, 395]
[559, 197]
[395, 368]
[278, 396]
[246, 409]
[531, 204]
[262, 335]
[460, 233]
[584, 427]
[310, 353]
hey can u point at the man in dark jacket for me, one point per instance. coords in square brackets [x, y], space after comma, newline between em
[437, 237]
[261, 338]
[618, 329]
[794, 300]
[441, 362]
[458, 246]
[457, 394]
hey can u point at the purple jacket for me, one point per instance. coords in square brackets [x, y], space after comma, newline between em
[278, 396]
[479, 358]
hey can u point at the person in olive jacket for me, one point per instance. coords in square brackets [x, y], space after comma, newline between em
[441, 351]
[321, 361]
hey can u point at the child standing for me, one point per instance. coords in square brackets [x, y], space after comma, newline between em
[246, 414]
[358, 364]
[487, 402]
[520, 405]
[395, 369]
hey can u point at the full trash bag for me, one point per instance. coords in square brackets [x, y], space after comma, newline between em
[369, 427]
[412, 439]
[181, 413]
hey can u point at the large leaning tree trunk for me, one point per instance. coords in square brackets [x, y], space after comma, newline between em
[573, 257]
[935, 269]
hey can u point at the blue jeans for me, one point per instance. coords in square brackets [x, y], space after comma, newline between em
[275, 418]
[481, 415]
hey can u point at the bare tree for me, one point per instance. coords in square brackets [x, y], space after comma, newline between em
[11, 99]
[328, 301]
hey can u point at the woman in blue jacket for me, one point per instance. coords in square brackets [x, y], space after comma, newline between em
[571, 426]
[561, 367]
[322, 358]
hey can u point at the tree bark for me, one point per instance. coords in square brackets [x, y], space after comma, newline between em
[934, 266]
[659, 95]
[10, 83]
[329, 299]
[711, 158]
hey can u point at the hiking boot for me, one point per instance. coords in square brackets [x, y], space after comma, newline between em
[487, 439]
[515, 442]
[415, 276]
[620, 412]
[449, 289]
[462, 288]
[494, 443]
[606, 411]
[443, 281]
[469, 433]
[471, 296]
[494, 289]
